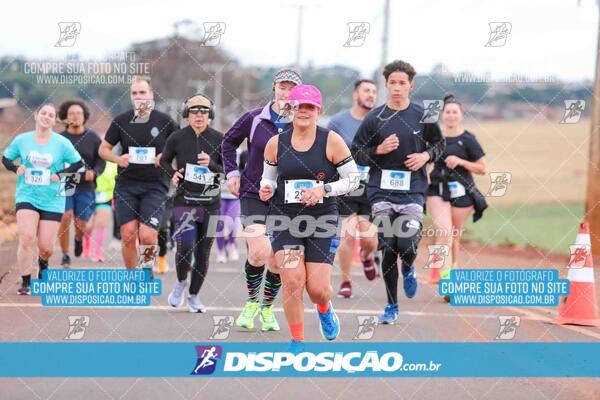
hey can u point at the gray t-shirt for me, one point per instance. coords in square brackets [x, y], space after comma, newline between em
[345, 124]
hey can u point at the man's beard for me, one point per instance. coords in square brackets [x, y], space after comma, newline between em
[363, 105]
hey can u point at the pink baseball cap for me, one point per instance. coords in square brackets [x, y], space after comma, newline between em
[306, 94]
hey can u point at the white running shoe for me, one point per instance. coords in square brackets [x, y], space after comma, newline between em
[176, 295]
[232, 252]
[195, 305]
[221, 258]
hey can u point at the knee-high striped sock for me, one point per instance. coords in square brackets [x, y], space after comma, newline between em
[272, 286]
[254, 277]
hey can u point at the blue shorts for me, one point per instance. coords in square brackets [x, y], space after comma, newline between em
[82, 203]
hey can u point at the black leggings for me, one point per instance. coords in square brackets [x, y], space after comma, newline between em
[191, 238]
[163, 236]
[401, 244]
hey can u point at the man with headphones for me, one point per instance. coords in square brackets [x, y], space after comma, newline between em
[196, 150]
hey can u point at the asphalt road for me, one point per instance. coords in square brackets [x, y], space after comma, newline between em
[424, 318]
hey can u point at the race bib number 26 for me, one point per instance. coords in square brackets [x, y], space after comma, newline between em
[293, 189]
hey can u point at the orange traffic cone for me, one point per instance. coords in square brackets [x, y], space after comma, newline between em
[580, 306]
[436, 264]
[434, 277]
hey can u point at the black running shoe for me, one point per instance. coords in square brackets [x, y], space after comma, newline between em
[78, 247]
[66, 261]
[24, 290]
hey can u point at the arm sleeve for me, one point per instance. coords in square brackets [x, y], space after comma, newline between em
[349, 178]
[365, 142]
[436, 144]
[75, 167]
[474, 149]
[231, 141]
[168, 153]
[9, 164]
[269, 176]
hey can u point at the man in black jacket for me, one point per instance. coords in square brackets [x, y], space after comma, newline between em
[395, 143]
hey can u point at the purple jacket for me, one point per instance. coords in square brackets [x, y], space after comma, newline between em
[257, 127]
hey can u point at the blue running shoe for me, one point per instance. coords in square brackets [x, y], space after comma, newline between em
[330, 324]
[410, 282]
[390, 314]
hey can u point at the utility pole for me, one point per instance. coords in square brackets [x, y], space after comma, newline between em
[299, 38]
[592, 208]
[384, 49]
[300, 8]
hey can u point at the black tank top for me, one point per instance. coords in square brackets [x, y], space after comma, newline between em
[295, 165]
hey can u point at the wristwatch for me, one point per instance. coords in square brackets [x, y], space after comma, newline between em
[327, 187]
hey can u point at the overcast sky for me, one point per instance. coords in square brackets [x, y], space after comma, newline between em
[548, 37]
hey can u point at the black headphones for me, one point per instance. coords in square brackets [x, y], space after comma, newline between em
[186, 110]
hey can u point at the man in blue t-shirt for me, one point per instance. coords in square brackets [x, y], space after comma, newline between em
[355, 205]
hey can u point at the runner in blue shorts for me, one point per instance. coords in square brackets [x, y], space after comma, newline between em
[80, 206]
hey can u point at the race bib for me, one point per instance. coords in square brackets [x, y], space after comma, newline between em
[37, 176]
[142, 155]
[293, 189]
[101, 197]
[456, 189]
[198, 174]
[395, 180]
[364, 172]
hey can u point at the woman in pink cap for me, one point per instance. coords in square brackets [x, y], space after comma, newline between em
[304, 169]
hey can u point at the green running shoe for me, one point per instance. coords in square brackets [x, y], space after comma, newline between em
[267, 318]
[246, 317]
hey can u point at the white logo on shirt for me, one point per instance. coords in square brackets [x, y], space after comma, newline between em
[416, 132]
[154, 131]
[40, 160]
